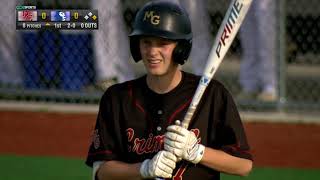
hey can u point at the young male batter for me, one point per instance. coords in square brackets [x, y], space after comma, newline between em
[137, 135]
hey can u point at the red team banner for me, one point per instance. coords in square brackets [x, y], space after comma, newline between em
[27, 15]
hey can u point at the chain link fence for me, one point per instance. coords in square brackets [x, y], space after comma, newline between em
[61, 66]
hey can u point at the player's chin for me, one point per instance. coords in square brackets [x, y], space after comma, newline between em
[155, 72]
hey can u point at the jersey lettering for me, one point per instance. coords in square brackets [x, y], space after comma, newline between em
[180, 171]
[151, 144]
[141, 145]
[96, 139]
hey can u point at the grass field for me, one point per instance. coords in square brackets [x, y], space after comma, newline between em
[53, 168]
[42, 168]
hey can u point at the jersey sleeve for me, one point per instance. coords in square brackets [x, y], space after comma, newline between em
[230, 132]
[104, 145]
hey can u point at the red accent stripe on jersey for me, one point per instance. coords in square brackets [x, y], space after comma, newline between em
[171, 118]
[100, 152]
[130, 89]
[137, 104]
[236, 147]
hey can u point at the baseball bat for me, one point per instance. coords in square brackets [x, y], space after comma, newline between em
[227, 31]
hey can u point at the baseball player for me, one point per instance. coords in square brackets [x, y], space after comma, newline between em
[137, 133]
[258, 71]
[111, 63]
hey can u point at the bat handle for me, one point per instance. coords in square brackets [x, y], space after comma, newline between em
[187, 118]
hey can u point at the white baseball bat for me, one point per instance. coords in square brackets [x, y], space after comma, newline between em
[226, 34]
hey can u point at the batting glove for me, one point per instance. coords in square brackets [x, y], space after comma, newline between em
[161, 165]
[183, 143]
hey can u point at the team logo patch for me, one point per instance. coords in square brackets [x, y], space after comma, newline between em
[96, 139]
[151, 17]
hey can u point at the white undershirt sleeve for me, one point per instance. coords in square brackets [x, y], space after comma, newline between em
[95, 168]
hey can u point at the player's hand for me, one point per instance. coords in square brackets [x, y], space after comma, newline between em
[161, 165]
[183, 143]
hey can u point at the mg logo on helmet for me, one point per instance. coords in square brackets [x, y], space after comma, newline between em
[154, 19]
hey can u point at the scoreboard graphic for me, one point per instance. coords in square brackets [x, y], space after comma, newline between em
[31, 18]
[60, 16]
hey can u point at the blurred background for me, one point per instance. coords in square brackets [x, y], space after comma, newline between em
[67, 71]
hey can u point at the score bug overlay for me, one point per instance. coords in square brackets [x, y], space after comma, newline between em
[31, 18]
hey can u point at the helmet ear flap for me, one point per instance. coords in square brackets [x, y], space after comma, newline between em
[182, 51]
[135, 48]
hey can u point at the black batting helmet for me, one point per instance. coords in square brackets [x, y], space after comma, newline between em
[163, 19]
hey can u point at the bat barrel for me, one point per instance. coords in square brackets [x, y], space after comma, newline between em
[226, 34]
